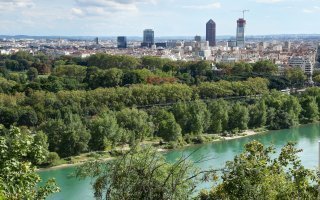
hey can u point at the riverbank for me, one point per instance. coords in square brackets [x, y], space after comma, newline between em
[105, 156]
[305, 136]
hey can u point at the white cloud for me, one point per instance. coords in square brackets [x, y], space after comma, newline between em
[105, 7]
[77, 12]
[269, 1]
[314, 9]
[10, 5]
[215, 5]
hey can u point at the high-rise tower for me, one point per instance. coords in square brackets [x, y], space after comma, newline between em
[122, 42]
[241, 24]
[148, 37]
[211, 33]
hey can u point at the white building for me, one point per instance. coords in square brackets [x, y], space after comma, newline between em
[304, 63]
[205, 54]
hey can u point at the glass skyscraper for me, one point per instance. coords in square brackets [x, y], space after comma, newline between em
[241, 24]
[148, 36]
[211, 33]
[122, 42]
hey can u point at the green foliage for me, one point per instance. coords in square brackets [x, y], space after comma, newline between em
[136, 76]
[166, 126]
[238, 118]
[152, 63]
[105, 132]
[192, 117]
[219, 116]
[242, 67]
[310, 110]
[257, 174]
[70, 71]
[141, 174]
[8, 116]
[43, 68]
[258, 115]
[67, 137]
[296, 76]
[18, 179]
[32, 74]
[265, 66]
[283, 110]
[7, 86]
[52, 159]
[105, 61]
[252, 86]
[27, 117]
[136, 123]
[106, 78]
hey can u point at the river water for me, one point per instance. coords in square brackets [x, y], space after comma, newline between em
[306, 136]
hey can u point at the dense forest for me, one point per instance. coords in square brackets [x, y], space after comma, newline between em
[104, 101]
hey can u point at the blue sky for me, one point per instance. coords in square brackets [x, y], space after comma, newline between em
[166, 17]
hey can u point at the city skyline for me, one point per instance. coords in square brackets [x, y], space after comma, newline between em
[167, 18]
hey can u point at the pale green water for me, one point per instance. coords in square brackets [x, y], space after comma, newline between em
[307, 138]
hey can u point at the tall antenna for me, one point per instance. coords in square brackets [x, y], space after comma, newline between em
[244, 11]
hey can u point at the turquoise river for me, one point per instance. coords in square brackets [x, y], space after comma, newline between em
[306, 136]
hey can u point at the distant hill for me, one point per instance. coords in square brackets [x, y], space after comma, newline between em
[166, 38]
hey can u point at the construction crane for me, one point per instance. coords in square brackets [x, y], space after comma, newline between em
[244, 11]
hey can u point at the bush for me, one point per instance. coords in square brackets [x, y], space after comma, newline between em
[53, 158]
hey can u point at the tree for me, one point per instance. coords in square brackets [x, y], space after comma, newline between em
[13, 65]
[166, 126]
[258, 115]
[32, 74]
[70, 71]
[8, 116]
[141, 174]
[192, 117]
[18, 179]
[42, 68]
[105, 61]
[238, 118]
[152, 63]
[266, 67]
[28, 117]
[310, 110]
[257, 174]
[241, 67]
[67, 137]
[316, 78]
[219, 116]
[114, 77]
[283, 110]
[136, 123]
[105, 132]
[296, 76]
[7, 86]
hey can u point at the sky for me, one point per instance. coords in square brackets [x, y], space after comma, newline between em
[166, 17]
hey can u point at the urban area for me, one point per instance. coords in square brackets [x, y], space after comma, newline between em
[283, 50]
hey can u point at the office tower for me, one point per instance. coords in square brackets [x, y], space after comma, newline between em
[287, 46]
[96, 40]
[241, 24]
[122, 42]
[211, 33]
[197, 38]
[148, 37]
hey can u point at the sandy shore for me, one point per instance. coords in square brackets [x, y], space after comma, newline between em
[246, 133]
